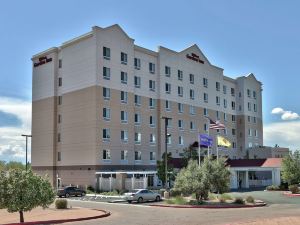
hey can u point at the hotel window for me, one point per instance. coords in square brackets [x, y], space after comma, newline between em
[225, 131]
[255, 133]
[106, 53]
[58, 137]
[138, 155]
[218, 130]
[59, 118]
[169, 123]
[192, 94]
[168, 88]
[59, 82]
[233, 119]
[152, 103]
[250, 144]
[205, 127]
[249, 106]
[124, 136]
[151, 67]
[249, 132]
[59, 100]
[137, 119]
[124, 117]
[233, 132]
[106, 73]
[192, 125]
[180, 108]
[137, 63]
[180, 124]
[123, 77]
[152, 121]
[106, 154]
[218, 86]
[180, 140]
[225, 103]
[249, 93]
[225, 116]
[124, 155]
[217, 100]
[180, 91]
[205, 112]
[233, 145]
[106, 93]
[192, 110]
[137, 138]
[106, 134]
[249, 119]
[124, 97]
[152, 85]
[205, 96]
[254, 108]
[60, 63]
[233, 105]
[224, 90]
[123, 58]
[218, 115]
[168, 105]
[180, 75]
[106, 113]
[169, 140]
[137, 82]
[168, 71]
[205, 82]
[240, 94]
[152, 139]
[232, 92]
[240, 108]
[254, 119]
[254, 94]
[59, 156]
[152, 156]
[137, 100]
[192, 79]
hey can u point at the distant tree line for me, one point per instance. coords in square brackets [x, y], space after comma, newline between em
[12, 165]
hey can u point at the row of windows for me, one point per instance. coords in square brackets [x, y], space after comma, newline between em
[124, 155]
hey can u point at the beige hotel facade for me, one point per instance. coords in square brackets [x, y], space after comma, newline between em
[98, 102]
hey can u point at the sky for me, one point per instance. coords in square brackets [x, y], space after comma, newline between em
[262, 37]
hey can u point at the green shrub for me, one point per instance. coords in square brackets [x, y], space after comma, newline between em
[273, 188]
[226, 196]
[178, 200]
[212, 196]
[250, 199]
[61, 204]
[174, 192]
[294, 188]
[239, 200]
[110, 193]
[90, 188]
[195, 202]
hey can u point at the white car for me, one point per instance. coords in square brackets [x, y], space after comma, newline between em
[142, 195]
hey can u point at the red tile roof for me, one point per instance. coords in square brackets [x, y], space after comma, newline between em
[269, 162]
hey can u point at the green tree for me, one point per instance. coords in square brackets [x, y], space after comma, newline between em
[291, 168]
[190, 153]
[22, 191]
[2, 165]
[161, 169]
[14, 165]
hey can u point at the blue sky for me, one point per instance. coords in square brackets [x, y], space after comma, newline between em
[262, 37]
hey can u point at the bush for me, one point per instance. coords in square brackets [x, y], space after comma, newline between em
[239, 200]
[178, 200]
[273, 188]
[122, 192]
[61, 204]
[294, 188]
[174, 192]
[250, 199]
[212, 196]
[195, 202]
[90, 188]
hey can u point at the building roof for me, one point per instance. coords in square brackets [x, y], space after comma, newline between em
[269, 162]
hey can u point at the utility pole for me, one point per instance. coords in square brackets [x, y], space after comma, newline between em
[26, 136]
[166, 149]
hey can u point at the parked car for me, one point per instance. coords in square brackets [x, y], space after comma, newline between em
[142, 195]
[70, 191]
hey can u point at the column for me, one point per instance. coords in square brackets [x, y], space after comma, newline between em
[132, 182]
[145, 181]
[247, 179]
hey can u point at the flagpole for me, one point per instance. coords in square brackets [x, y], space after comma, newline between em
[208, 134]
[217, 148]
[199, 140]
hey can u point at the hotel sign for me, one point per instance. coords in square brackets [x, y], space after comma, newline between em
[42, 60]
[195, 58]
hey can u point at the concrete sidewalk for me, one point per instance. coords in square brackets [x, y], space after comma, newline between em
[281, 220]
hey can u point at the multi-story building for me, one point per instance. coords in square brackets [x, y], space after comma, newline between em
[98, 102]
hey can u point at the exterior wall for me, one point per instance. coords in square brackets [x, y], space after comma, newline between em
[264, 152]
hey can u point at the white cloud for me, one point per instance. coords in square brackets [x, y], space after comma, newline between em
[285, 115]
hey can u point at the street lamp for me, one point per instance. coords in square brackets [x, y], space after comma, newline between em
[26, 136]
[166, 148]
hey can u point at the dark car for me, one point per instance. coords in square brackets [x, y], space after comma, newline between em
[70, 191]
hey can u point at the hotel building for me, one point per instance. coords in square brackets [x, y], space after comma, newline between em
[98, 102]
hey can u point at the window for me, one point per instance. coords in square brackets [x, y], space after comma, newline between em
[168, 105]
[180, 124]
[59, 100]
[254, 94]
[137, 82]
[192, 125]
[249, 93]
[192, 79]
[250, 144]
[152, 156]
[240, 94]
[106, 154]
[232, 92]
[137, 100]
[168, 88]
[137, 119]
[106, 113]
[59, 118]
[180, 140]
[249, 119]
[60, 63]
[218, 86]
[180, 75]
[180, 108]
[255, 133]
[106, 73]
[225, 131]
[218, 115]
[124, 155]
[192, 94]
[225, 103]
[167, 71]
[192, 110]
[169, 123]
[123, 77]
[124, 136]
[254, 108]
[249, 132]
[106, 134]
[152, 121]
[59, 82]
[106, 53]
[180, 91]
[124, 117]
[59, 156]
[152, 103]
[137, 155]
[123, 58]
[169, 140]
[233, 119]
[240, 108]
[233, 105]
[152, 139]
[106, 93]
[137, 63]
[151, 67]
[205, 96]
[137, 138]
[205, 82]
[217, 100]
[224, 90]
[205, 127]
[233, 145]
[205, 112]
[254, 119]
[58, 137]
[233, 132]
[225, 116]
[249, 106]
[124, 97]
[152, 85]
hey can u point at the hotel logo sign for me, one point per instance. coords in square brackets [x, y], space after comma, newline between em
[42, 60]
[195, 58]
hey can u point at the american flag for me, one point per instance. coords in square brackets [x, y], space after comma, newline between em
[216, 125]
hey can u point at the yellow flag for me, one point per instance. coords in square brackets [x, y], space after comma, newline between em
[223, 141]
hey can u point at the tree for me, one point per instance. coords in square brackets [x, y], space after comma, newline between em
[161, 168]
[2, 165]
[14, 165]
[190, 153]
[291, 168]
[22, 191]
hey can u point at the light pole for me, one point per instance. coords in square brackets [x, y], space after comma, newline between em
[166, 148]
[26, 136]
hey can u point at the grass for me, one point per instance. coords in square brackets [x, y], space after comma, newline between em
[178, 200]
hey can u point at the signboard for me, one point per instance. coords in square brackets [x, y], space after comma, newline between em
[206, 140]
[195, 58]
[42, 60]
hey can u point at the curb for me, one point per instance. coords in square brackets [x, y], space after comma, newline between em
[210, 206]
[289, 194]
[106, 214]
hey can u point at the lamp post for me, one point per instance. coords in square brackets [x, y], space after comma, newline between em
[166, 148]
[26, 136]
